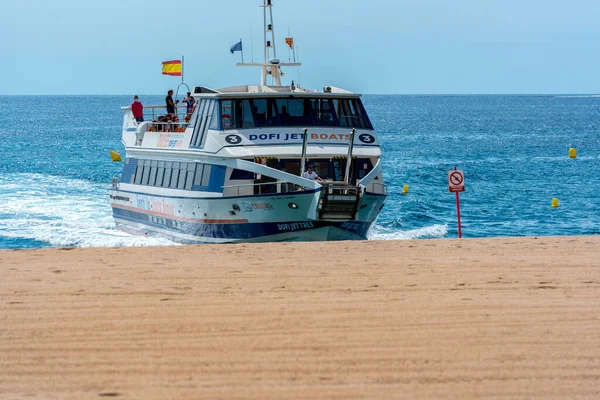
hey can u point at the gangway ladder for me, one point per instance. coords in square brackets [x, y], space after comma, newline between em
[340, 200]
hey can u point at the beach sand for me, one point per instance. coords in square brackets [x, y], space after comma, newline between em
[492, 318]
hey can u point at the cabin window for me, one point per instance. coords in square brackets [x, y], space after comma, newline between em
[293, 111]
[153, 171]
[160, 173]
[189, 180]
[349, 114]
[246, 117]
[323, 110]
[182, 176]
[174, 175]
[168, 171]
[227, 115]
[138, 172]
[214, 116]
[198, 176]
[240, 174]
[266, 114]
[206, 119]
[206, 175]
[146, 172]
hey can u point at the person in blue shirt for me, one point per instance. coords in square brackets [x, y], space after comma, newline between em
[189, 101]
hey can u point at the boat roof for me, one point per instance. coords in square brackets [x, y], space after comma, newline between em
[272, 91]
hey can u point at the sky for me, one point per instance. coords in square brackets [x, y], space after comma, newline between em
[368, 46]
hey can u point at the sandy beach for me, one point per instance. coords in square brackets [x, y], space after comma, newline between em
[493, 318]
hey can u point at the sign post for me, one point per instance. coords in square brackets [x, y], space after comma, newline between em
[456, 184]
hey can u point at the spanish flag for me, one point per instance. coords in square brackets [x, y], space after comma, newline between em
[172, 67]
[290, 42]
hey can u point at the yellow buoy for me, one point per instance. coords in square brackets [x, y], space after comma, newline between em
[555, 203]
[115, 156]
[572, 152]
[405, 189]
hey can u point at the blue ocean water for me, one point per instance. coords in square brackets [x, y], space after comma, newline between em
[55, 169]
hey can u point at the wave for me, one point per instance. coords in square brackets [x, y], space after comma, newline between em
[429, 232]
[62, 212]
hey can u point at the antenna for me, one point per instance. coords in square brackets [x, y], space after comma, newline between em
[298, 64]
[270, 65]
[251, 43]
[289, 48]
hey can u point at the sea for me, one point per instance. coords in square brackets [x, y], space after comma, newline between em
[55, 168]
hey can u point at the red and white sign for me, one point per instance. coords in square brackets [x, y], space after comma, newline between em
[456, 181]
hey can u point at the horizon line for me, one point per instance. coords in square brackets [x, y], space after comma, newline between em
[367, 94]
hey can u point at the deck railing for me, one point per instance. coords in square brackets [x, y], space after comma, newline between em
[250, 189]
[152, 113]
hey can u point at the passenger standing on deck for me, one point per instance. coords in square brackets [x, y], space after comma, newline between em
[170, 103]
[312, 175]
[189, 101]
[137, 109]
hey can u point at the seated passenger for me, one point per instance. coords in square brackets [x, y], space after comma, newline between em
[312, 175]
[172, 123]
[160, 122]
[186, 122]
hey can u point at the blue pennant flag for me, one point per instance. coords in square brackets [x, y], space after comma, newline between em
[236, 47]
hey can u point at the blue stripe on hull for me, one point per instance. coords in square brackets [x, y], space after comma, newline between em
[345, 230]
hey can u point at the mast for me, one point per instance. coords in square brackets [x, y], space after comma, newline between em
[270, 65]
[270, 46]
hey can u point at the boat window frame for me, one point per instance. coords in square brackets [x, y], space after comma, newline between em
[182, 176]
[349, 108]
[206, 175]
[198, 175]
[174, 175]
[206, 114]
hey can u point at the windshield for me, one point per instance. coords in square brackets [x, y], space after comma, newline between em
[259, 113]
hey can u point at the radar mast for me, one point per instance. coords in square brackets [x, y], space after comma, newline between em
[271, 64]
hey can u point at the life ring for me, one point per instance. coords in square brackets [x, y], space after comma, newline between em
[226, 121]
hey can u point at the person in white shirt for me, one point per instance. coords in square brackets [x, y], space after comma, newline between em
[310, 174]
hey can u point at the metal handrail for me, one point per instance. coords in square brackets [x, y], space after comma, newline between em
[155, 114]
[252, 184]
[167, 126]
[278, 186]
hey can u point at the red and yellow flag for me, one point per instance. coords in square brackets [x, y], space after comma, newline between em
[172, 67]
[290, 42]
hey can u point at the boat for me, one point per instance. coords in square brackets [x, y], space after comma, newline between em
[233, 170]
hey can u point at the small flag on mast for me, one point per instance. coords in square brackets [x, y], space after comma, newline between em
[172, 68]
[290, 42]
[236, 47]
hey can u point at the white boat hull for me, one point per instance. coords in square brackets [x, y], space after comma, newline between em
[259, 218]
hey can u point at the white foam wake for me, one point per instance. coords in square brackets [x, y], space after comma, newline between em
[430, 232]
[62, 212]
